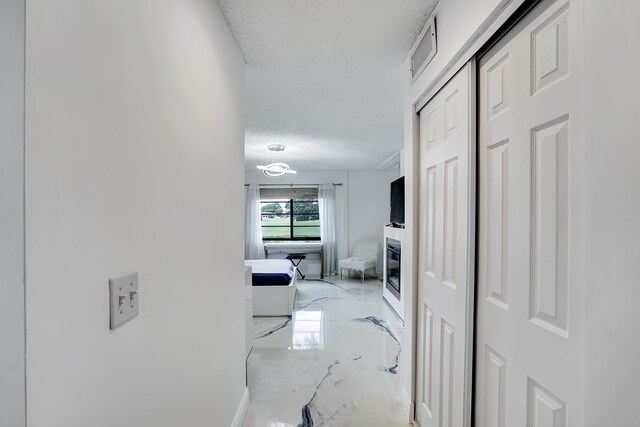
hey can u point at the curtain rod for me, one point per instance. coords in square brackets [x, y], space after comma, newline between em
[339, 184]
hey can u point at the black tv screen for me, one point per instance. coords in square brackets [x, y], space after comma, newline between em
[397, 202]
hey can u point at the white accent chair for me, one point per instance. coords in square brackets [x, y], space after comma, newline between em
[365, 257]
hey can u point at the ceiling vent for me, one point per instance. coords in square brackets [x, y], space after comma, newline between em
[425, 50]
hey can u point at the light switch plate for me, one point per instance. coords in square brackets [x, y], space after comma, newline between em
[123, 299]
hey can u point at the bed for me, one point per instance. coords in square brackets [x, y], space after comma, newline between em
[274, 286]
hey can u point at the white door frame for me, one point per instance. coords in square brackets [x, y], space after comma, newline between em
[12, 320]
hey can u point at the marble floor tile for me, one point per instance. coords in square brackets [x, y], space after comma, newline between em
[333, 363]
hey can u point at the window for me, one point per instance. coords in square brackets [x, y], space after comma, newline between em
[293, 218]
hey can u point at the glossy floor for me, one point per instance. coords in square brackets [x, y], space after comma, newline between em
[333, 363]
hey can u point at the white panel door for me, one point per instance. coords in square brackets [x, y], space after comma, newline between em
[529, 342]
[445, 292]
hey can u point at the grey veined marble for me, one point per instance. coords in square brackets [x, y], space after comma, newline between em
[335, 362]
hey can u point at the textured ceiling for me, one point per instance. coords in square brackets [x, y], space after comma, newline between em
[324, 77]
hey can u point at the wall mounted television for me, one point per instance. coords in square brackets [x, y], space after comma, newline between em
[397, 203]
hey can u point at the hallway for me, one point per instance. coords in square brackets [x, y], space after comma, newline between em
[334, 363]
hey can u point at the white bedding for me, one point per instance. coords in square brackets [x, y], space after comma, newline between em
[269, 265]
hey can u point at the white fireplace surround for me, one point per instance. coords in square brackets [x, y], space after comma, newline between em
[396, 304]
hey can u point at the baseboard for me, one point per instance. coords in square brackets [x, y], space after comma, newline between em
[407, 405]
[241, 412]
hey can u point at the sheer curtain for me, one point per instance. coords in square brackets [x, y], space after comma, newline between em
[327, 207]
[253, 248]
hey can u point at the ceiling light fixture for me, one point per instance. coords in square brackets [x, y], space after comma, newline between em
[276, 168]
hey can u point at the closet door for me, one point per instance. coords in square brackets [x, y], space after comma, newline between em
[529, 347]
[445, 287]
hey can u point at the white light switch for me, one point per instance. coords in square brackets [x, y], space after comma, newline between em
[123, 299]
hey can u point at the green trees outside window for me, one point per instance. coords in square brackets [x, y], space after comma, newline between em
[291, 219]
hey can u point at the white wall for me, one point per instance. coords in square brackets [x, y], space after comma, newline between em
[134, 162]
[362, 203]
[369, 207]
[12, 402]
[612, 108]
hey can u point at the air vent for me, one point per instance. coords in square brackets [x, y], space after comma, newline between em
[426, 49]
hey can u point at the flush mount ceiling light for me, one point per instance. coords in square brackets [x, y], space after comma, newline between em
[276, 168]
